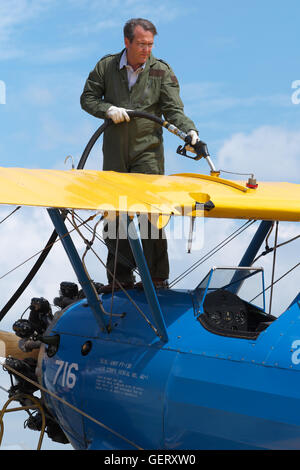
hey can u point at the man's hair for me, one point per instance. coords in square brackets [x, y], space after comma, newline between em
[131, 24]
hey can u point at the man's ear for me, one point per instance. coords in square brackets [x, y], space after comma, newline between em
[127, 42]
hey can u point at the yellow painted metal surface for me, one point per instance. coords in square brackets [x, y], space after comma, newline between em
[156, 194]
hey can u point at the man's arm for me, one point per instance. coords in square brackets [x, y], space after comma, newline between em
[91, 99]
[171, 103]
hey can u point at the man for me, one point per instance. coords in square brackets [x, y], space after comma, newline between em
[135, 80]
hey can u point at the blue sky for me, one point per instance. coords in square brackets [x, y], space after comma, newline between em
[236, 62]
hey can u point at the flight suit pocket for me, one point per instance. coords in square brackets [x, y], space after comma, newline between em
[151, 92]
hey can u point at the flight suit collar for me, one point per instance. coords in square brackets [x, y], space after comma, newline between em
[150, 61]
[124, 63]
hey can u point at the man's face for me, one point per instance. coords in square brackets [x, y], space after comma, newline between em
[139, 49]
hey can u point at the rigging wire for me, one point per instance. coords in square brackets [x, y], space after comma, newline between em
[119, 284]
[213, 251]
[269, 250]
[37, 253]
[88, 245]
[107, 243]
[5, 218]
[275, 282]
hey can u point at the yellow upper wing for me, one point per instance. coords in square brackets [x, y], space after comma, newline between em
[154, 194]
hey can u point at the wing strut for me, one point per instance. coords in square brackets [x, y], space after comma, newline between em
[73, 256]
[137, 250]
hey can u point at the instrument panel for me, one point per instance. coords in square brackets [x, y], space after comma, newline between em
[228, 320]
[225, 311]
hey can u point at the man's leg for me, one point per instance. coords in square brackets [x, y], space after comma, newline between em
[120, 260]
[156, 254]
[155, 249]
[154, 241]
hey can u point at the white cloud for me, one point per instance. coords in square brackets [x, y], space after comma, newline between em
[271, 153]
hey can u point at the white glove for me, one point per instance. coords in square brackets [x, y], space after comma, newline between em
[194, 136]
[117, 114]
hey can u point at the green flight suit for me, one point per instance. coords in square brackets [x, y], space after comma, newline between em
[135, 146]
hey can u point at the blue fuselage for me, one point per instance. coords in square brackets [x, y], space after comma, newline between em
[198, 390]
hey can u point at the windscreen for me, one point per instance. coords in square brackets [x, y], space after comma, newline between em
[246, 282]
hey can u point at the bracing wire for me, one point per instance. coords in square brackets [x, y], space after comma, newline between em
[40, 251]
[9, 215]
[120, 255]
[275, 282]
[117, 282]
[269, 250]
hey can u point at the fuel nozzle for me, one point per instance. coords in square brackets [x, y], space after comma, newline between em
[201, 151]
[199, 148]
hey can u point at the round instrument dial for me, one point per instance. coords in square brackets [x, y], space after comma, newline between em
[228, 316]
[240, 317]
[215, 317]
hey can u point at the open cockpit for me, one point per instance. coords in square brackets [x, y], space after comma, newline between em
[221, 308]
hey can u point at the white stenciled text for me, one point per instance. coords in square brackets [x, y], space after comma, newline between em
[2, 92]
[296, 94]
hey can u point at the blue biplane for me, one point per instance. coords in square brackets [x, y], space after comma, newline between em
[149, 368]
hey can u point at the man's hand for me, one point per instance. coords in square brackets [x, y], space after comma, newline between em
[117, 115]
[194, 136]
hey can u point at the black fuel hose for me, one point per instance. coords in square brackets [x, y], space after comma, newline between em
[132, 114]
[80, 166]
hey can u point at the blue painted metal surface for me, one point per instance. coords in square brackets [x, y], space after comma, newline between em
[138, 253]
[189, 388]
[199, 390]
